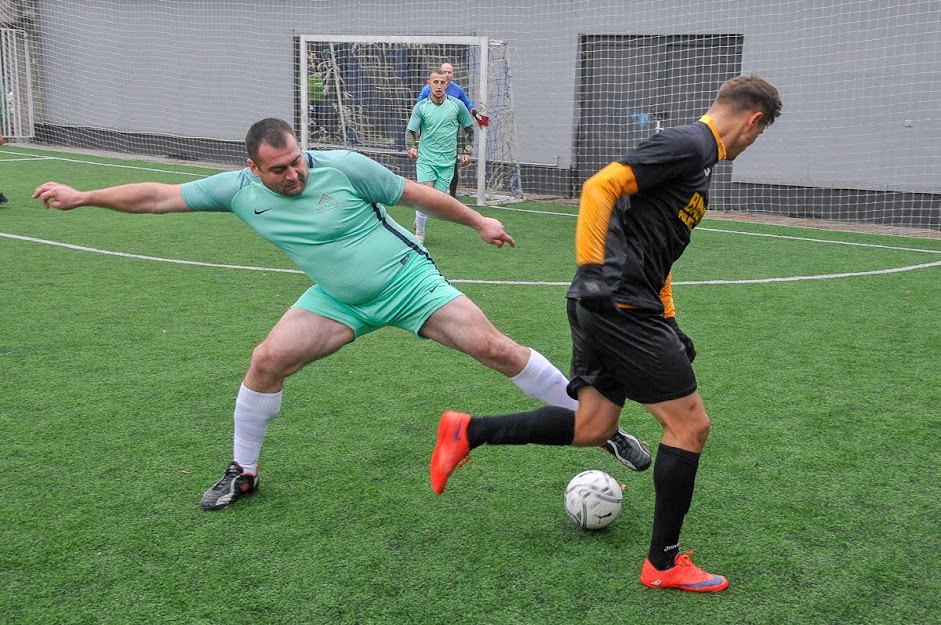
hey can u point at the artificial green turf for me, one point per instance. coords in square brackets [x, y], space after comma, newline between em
[817, 495]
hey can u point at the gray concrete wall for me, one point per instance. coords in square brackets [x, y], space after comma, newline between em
[860, 79]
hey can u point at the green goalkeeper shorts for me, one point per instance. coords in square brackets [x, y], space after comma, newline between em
[406, 302]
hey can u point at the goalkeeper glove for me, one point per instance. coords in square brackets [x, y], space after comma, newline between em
[685, 340]
[596, 295]
[482, 120]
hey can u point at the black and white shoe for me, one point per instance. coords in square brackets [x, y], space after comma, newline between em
[628, 450]
[234, 484]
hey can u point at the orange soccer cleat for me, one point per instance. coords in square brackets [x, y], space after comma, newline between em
[684, 575]
[452, 449]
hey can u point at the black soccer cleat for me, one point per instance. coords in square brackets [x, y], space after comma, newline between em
[234, 484]
[3, 198]
[628, 450]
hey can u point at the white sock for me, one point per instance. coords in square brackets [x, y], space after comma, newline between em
[541, 380]
[420, 219]
[253, 412]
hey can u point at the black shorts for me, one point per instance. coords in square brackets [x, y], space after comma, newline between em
[628, 353]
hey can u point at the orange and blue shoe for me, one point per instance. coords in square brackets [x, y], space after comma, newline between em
[684, 575]
[452, 449]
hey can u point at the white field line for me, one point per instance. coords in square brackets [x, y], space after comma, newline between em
[496, 282]
[26, 156]
[94, 250]
[23, 159]
[830, 276]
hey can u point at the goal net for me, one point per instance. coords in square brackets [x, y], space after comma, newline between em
[16, 89]
[358, 93]
[859, 139]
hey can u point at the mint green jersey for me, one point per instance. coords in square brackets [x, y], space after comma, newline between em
[337, 231]
[438, 125]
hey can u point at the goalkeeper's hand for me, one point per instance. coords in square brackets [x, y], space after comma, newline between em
[685, 340]
[482, 120]
[596, 295]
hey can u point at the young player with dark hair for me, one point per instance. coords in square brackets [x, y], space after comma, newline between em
[635, 220]
[432, 139]
[455, 90]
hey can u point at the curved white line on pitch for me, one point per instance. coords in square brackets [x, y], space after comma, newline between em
[24, 159]
[498, 207]
[42, 157]
[94, 250]
[829, 276]
[751, 234]
[795, 238]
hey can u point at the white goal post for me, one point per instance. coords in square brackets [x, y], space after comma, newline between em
[16, 86]
[357, 92]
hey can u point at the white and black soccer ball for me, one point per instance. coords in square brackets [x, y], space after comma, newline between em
[593, 499]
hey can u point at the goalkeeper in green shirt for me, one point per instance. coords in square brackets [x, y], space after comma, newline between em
[432, 139]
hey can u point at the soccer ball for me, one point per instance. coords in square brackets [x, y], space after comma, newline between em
[593, 499]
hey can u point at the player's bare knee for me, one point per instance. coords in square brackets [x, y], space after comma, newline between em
[698, 427]
[695, 419]
[703, 427]
[267, 363]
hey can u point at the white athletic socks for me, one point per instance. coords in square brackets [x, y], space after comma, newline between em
[420, 219]
[253, 412]
[541, 380]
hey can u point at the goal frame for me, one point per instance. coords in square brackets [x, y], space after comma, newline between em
[17, 117]
[481, 43]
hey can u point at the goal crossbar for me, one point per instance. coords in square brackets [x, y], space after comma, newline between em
[336, 111]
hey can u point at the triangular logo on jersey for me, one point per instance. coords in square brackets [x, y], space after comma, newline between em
[327, 203]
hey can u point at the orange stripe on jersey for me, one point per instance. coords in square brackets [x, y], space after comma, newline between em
[599, 195]
[666, 296]
[706, 119]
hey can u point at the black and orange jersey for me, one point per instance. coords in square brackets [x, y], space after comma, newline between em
[636, 215]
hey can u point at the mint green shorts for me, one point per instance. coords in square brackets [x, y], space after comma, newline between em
[440, 175]
[413, 295]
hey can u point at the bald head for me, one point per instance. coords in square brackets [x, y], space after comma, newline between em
[448, 70]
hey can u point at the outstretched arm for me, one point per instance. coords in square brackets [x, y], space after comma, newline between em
[140, 197]
[443, 206]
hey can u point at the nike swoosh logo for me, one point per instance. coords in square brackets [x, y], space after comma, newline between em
[714, 580]
[258, 212]
[432, 289]
[457, 435]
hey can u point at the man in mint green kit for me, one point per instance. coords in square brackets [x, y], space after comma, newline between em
[431, 136]
[326, 210]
